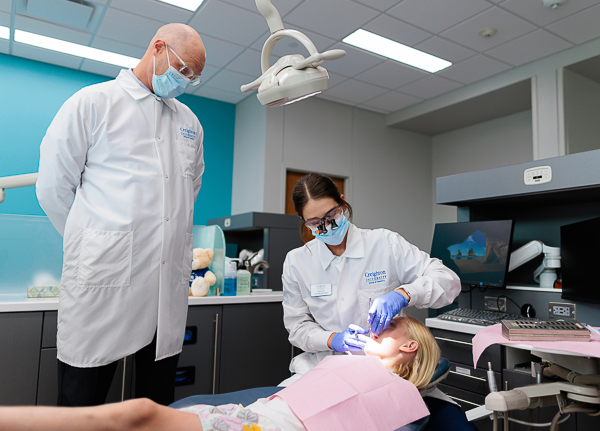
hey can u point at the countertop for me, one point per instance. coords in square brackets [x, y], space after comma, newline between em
[15, 302]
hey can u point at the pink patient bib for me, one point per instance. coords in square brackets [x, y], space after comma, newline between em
[353, 393]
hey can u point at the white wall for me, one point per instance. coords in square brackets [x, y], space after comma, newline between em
[388, 170]
[492, 144]
[582, 113]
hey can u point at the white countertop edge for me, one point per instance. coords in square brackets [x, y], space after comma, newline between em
[18, 302]
[449, 325]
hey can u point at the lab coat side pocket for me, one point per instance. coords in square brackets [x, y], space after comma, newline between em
[186, 158]
[188, 256]
[365, 296]
[105, 259]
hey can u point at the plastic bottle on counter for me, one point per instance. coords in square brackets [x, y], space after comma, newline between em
[230, 285]
[243, 281]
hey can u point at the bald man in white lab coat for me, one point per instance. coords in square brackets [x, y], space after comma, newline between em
[120, 169]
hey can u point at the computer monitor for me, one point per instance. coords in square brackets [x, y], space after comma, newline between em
[477, 251]
[579, 244]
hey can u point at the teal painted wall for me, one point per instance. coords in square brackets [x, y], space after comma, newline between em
[32, 93]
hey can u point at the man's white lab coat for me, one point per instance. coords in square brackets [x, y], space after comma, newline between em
[324, 293]
[119, 173]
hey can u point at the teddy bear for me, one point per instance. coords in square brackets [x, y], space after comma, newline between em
[201, 278]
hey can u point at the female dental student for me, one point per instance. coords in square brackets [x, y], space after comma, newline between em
[350, 276]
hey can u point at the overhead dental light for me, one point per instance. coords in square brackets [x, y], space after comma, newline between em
[545, 274]
[292, 77]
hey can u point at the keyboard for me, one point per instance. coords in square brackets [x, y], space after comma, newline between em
[480, 317]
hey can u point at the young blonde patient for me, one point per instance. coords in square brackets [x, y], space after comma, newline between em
[406, 347]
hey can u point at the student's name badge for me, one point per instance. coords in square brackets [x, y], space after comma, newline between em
[320, 290]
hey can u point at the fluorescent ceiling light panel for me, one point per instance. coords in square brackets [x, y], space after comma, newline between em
[4, 32]
[185, 4]
[74, 49]
[396, 51]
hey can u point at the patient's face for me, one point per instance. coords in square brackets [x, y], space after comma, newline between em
[387, 345]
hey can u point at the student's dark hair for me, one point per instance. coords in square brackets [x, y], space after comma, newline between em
[316, 186]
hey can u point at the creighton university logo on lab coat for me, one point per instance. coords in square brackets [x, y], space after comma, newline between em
[187, 133]
[375, 277]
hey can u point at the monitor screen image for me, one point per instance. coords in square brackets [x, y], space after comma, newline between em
[477, 251]
[579, 260]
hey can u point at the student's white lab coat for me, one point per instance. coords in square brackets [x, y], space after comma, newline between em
[375, 262]
[119, 173]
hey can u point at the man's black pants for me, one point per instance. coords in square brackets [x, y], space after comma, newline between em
[89, 386]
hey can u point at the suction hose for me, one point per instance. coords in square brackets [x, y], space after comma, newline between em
[571, 376]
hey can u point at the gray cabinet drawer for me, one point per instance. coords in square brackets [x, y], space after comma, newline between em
[470, 379]
[458, 347]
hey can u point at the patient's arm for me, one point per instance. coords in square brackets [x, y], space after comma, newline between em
[133, 415]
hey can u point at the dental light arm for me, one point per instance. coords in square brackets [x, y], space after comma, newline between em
[545, 274]
[292, 77]
[16, 181]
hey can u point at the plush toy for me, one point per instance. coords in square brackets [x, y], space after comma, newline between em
[201, 278]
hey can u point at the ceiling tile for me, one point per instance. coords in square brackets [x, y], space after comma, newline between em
[118, 47]
[509, 27]
[46, 56]
[437, 15]
[390, 74]
[289, 45]
[230, 23]
[4, 45]
[229, 81]
[126, 27]
[4, 19]
[356, 91]
[530, 47]
[381, 5]
[6, 6]
[536, 12]
[51, 30]
[100, 68]
[219, 52]
[580, 27]
[207, 73]
[474, 69]
[282, 6]
[223, 96]
[392, 28]
[318, 16]
[392, 101]
[247, 62]
[445, 49]
[325, 95]
[429, 87]
[355, 61]
[335, 79]
[154, 10]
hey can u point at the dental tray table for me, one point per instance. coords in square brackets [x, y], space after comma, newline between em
[527, 330]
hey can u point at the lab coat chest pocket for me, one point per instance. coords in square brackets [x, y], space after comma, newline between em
[186, 158]
[105, 259]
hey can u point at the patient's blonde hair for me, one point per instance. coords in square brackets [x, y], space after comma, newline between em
[420, 370]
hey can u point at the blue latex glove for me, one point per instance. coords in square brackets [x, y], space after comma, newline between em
[384, 309]
[350, 340]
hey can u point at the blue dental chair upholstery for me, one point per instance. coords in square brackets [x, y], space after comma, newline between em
[443, 415]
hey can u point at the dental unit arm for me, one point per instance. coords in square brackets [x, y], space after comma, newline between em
[292, 77]
[15, 181]
[546, 273]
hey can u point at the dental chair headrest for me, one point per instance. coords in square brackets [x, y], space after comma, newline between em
[441, 371]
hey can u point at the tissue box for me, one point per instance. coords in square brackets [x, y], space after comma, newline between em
[42, 291]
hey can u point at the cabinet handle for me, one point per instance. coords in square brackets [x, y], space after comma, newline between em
[215, 357]
[454, 341]
[460, 400]
[470, 377]
[123, 383]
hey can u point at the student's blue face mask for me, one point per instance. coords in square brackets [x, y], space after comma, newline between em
[336, 231]
[171, 83]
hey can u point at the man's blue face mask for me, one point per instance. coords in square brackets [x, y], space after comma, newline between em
[171, 83]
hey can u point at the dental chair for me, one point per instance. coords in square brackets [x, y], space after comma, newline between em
[443, 415]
